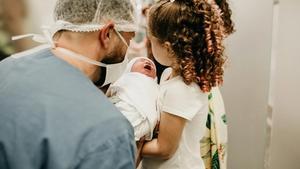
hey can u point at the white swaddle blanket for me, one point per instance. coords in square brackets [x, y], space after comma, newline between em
[136, 94]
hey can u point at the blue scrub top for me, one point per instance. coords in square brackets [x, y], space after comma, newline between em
[53, 117]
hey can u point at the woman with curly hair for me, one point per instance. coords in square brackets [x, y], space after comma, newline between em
[214, 143]
[187, 36]
[226, 16]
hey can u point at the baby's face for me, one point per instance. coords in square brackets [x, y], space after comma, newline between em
[145, 67]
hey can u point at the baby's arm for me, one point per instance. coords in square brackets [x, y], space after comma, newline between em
[170, 130]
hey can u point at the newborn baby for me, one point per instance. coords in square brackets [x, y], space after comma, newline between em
[135, 94]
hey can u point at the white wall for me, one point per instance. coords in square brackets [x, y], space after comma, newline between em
[40, 12]
[246, 83]
[285, 151]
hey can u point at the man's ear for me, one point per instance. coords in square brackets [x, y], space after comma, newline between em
[105, 34]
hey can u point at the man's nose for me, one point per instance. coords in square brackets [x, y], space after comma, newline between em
[132, 35]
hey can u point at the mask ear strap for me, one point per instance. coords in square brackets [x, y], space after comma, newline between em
[121, 37]
[80, 57]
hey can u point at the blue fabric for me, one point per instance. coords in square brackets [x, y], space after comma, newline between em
[53, 117]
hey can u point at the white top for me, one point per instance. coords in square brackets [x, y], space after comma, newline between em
[188, 102]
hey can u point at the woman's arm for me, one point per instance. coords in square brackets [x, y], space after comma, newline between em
[170, 130]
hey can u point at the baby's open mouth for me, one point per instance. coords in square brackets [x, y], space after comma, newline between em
[148, 67]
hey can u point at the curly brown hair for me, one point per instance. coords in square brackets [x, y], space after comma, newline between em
[195, 30]
[226, 16]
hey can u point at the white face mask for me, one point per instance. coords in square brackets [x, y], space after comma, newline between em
[113, 71]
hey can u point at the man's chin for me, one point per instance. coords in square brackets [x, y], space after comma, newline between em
[113, 60]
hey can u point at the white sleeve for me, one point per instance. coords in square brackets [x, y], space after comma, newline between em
[184, 101]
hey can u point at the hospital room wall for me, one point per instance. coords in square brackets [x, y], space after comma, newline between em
[39, 14]
[261, 89]
[284, 149]
[246, 84]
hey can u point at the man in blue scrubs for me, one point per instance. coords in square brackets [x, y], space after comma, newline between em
[52, 116]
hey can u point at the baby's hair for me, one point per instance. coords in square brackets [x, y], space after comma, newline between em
[195, 30]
